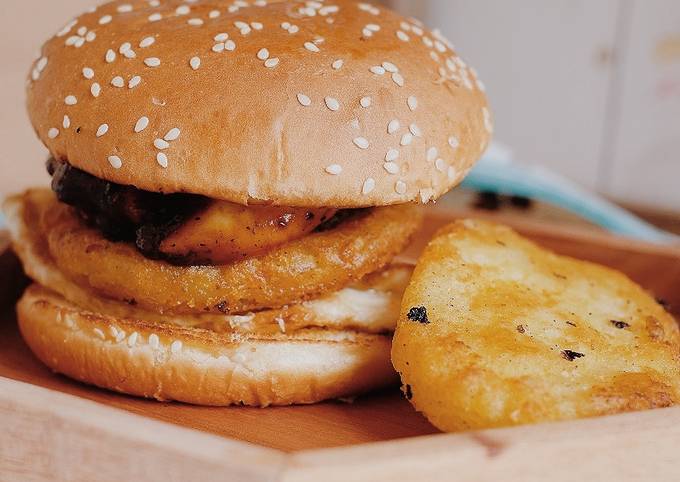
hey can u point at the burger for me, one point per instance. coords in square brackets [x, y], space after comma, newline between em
[231, 184]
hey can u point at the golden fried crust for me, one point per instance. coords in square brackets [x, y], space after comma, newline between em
[303, 269]
[496, 331]
[189, 364]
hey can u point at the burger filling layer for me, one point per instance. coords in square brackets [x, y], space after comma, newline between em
[184, 229]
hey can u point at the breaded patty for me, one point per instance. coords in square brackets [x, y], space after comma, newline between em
[496, 331]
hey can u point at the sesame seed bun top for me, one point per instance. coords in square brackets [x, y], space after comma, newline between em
[295, 103]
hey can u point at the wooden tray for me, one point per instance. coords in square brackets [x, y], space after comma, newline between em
[57, 429]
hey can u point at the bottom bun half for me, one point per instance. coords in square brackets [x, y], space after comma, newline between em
[166, 361]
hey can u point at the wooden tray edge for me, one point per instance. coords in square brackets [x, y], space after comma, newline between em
[631, 446]
[55, 436]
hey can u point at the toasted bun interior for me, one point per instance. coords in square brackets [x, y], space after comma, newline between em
[199, 366]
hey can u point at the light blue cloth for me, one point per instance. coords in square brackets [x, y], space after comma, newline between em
[498, 173]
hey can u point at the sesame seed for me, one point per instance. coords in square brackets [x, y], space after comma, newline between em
[432, 154]
[271, 63]
[115, 162]
[451, 173]
[53, 133]
[134, 82]
[230, 45]
[406, 139]
[153, 340]
[183, 10]
[401, 35]
[99, 333]
[113, 330]
[390, 67]
[439, 46]
[118, 81]
[125, 8]
[263, 54]
[102, 130]
[88, 73]
[391, 167]
[487, 119]
[368, 187]
[337, 64]
[378, 70]
[412, 103]
[95, 89]
[256, 25]
[161, 143]
[147, 42]
[176, 346]
[293, 29]
[155, 17]
[365, 102]
[162, 159]
[440, 164]
[221, 37]
[332, 103]
[126, 46]
[400, 187]
[120, 336]
[217, 48]
[415, 130]
[141, 124]
[285, 25]
[42, 63]
[311, 47]
[361, 142]
[426, 195]
[195, 63]
[453, 142]
[70, 100]
[373, 27]
[110, 56]
[304, 100]
[392, 155]
[66, 123]
[152, 62]
[214, 14]
[334, 169]
[196, 22]
[172, 134]
[132, 341]
[393, 126]
[328, 10]
[105, 19]
[398, 79]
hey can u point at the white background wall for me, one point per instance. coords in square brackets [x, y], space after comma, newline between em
[589, 88]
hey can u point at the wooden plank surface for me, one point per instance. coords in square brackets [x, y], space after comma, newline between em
[47, 435]
[633, 447]
[379, 417]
